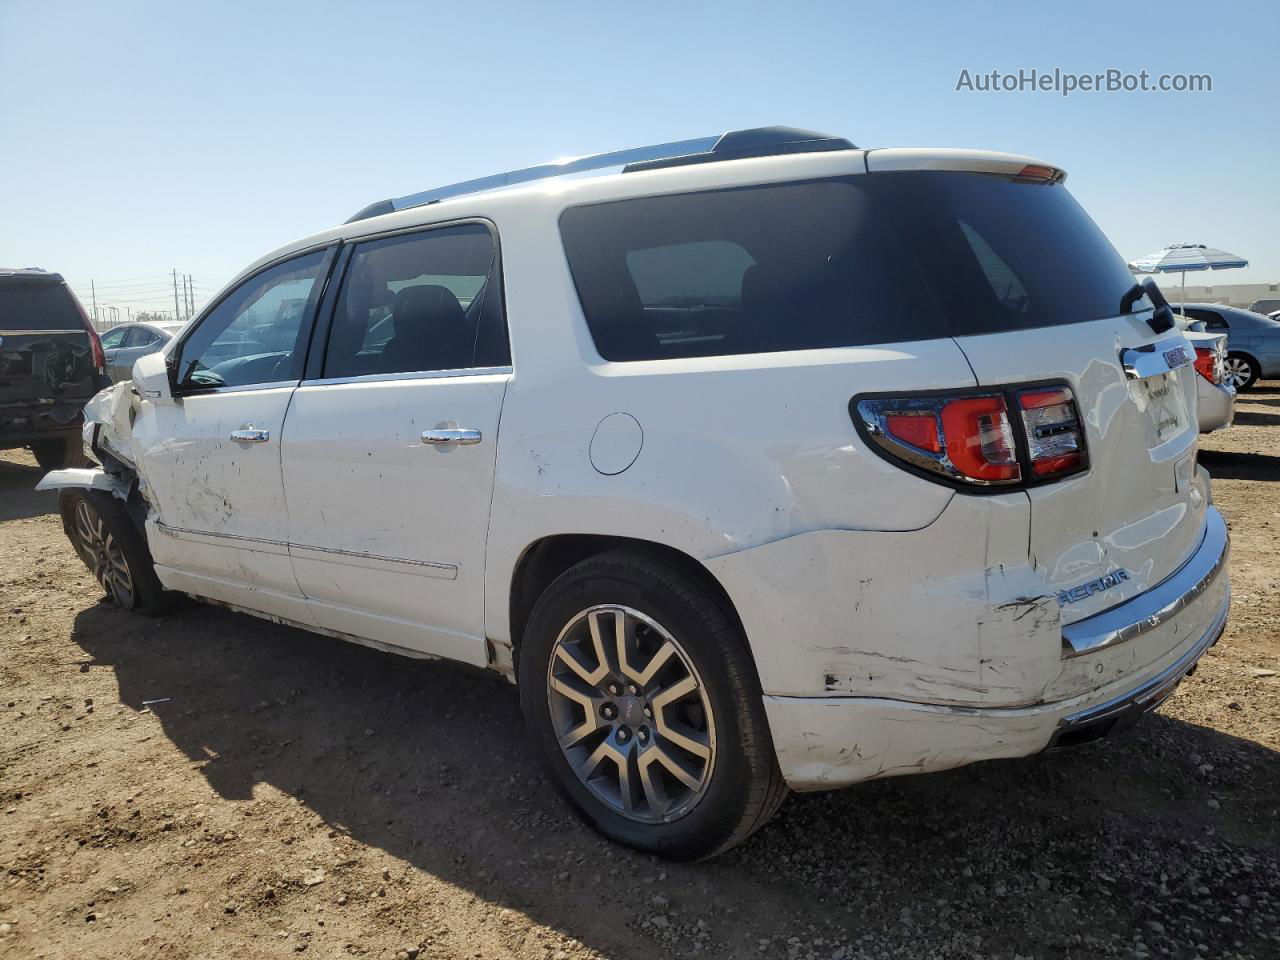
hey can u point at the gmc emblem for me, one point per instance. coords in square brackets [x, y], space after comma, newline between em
[1177, 357]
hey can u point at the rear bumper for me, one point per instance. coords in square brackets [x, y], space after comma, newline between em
[22, 421]
[826, 742]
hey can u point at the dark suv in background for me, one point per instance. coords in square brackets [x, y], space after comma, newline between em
[51, 362]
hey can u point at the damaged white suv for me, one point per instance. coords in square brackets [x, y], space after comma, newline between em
[765, 462]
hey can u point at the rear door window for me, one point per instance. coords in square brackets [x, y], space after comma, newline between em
[880, 258]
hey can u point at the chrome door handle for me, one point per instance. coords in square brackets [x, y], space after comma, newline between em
[451, 435]
[250, 435]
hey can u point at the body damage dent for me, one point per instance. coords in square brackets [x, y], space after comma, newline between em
[108, 424]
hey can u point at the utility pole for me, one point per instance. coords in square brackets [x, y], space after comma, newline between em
[94, 293]
[177, 314]
[128, 312]
[191, 285]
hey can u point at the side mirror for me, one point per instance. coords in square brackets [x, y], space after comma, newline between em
[151, 378]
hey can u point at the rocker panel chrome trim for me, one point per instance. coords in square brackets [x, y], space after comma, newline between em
[430, 568]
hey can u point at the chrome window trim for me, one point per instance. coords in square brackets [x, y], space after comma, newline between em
[37, 333]
[240, 388]
[1161, 603]
[411, 375]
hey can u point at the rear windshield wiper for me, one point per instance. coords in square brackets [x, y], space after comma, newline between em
[1162, 317]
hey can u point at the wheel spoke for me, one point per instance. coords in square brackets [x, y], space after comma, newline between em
[674, 767]
[588, 675]
[687, 743]
[598, 644]
[565, 688]
[656, 663]
[627, 777]
[655, 795]
[671, 694]
[595, 758]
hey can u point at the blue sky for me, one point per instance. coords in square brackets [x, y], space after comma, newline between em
[140, 137]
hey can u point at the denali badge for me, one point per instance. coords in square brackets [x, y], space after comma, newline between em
[1105, 582]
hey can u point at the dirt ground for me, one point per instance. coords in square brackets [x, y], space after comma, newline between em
[209, 785]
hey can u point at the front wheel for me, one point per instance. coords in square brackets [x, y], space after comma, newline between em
[1241, 371]
[110, 545]
[644, 706]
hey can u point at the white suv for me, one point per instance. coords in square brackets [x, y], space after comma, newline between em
[766, 462]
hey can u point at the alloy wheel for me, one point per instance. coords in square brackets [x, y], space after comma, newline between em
[631, 713]
[102, 553]
[1236, 371]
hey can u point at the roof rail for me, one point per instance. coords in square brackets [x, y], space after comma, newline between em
[734, 145]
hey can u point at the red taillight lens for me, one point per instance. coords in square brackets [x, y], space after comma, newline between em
[1209, 364]
[1055, 441]
[979, 438]
[918, 429]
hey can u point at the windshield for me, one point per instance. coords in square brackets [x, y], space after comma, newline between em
[879, 258]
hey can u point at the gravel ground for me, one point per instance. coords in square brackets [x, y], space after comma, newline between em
[212, 785]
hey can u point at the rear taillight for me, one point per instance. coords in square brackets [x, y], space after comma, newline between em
[1055, 440]
[973, 439]
[1209, 364]
[95, 342]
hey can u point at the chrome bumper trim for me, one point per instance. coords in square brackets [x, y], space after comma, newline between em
[1122, 711]
[1149, 610]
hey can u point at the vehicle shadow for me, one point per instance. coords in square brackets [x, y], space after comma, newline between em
[1227, 465]
[427, 761]
[1256, 418]
[19, 498]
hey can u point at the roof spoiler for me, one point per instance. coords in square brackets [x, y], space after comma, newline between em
[734, 145]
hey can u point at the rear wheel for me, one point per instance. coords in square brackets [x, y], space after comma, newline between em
[1241, 371]
[644, 706]
[111, 547]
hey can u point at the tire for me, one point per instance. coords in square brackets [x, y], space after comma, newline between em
[106, 539]
[1242, 371]
[60, 453]
[668, 619]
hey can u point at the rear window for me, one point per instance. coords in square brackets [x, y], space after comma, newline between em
[43, 306]
[880, 258]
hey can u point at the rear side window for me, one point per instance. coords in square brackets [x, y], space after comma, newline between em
[880, 258]
[38, 306]
[417, 303]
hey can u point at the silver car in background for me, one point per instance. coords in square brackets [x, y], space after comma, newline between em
[1253, 348]
[124, 344]
[1215, 395]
